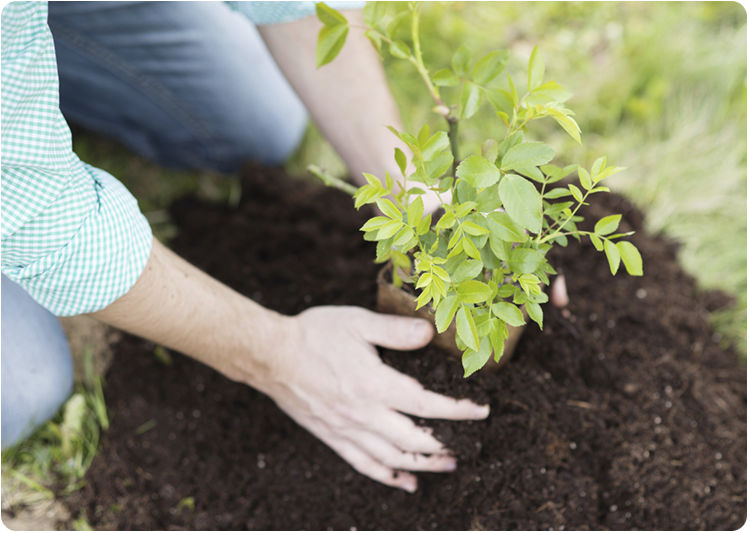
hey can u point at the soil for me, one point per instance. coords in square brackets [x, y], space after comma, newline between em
[625, 415]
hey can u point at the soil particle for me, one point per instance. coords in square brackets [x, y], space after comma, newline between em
[620, 414]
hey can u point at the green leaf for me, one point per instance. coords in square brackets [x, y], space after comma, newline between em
[474, 360]
[576, 192]
[478, 172]
[467, 270]
[489, 150]
[400, 50]
[424, 225]
[473, 229]
[532, 172]
[550, 91]
[498, 334]
[567, 123]
[607, 225]
[529, 154]
[383, 250]
[597, 242]
[607, 173]
[501, 100]
[445, 312]
[447, 221]
[423, 136]
[329, 16]
[502, 226]
[416, 210]
[536, 69]
[455, 239]
[436, 144]
[471, 97]
[500, 248]
[488, 200]
[331, 40]
[401, 160]
[535, 313]
[613, 256]
[437, 166]
[461, 60]
[389, 210]
[559, 192]
[467, 329]
[522, 202]
[445, 78]
[403, 237]
[463, 209]
[389, 229]
[388, 181]
[524, 260]
[490, 67]
[631, 257]
[598, 166]
[375, 40]
[585, 178]
[509, 313]
[470, 249]
[374, 223]
[372, 180]
[373, 13]
[394, 24]
[473, 291]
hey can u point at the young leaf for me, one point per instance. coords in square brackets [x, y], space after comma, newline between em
[416, 210]
[522, 202]
[597, 242]
[445, 312]
[613, 256]
[489, 150]
[424, 225]
[389, 210]
[461, 60]
[374, 223]
[567, 123]
[473, 229]
[471, 97]
[585, 178]
[501, 100]
[389, 229]
[502, 226]
[473, 292]
[498, 334]
[436, 144]
[395, 22]
[631, 257]
[446, 221]
[576, 192]
[500, 248]
[474, 360]
[607, 225]
[524, 260]
[466, 271]
[400, 50]
[530, 154]
[478, 172]
[598, 166]
[375, 40]
[437, 166]
[463, 209]
[535, 313]
[557, 193]
[536, 69]
[509, 313]
[489, 67]
[470, 249]
[445, 78]
[423, 136]
[467, 329]
[328, 15]
[373, 13]
[331, 40]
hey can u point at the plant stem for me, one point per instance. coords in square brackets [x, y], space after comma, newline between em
[332, 181]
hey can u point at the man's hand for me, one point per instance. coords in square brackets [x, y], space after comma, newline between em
[320, 366]
[332, 382]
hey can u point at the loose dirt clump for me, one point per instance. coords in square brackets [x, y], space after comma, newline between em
[621, 414]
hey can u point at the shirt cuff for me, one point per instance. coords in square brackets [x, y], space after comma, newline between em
[266, 13]
[100, 263]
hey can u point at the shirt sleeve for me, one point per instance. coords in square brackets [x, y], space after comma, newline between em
[72, 235]
[265, 13]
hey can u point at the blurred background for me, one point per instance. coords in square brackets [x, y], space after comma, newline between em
[658, 87]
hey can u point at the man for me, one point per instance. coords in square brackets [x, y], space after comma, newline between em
[193, 85]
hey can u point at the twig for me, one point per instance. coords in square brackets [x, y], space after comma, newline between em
[332, 181]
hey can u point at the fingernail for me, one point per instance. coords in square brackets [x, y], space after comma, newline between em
[450, 467]
[421, 331]
[481, 412]
[409, 487]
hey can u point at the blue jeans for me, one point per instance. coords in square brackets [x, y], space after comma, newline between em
[37, 369]
[187, 84]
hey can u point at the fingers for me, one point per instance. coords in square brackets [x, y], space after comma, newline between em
[389, 455]
[394, 332]
[560, 292]
[366, 465]
[406, 395]
[402, 433]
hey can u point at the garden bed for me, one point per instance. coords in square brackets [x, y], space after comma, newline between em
[625, 415]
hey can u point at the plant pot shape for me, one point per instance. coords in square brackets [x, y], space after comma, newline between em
[396, 301]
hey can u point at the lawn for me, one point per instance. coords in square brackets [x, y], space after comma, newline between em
[660, 88]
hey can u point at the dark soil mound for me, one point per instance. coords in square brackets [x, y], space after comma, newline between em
[625, 415]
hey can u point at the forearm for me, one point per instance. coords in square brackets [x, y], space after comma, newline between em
[348, 99]
[176, 305]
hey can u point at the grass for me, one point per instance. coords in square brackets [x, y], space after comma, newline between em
[659, 88]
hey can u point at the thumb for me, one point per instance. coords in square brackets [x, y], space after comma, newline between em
[560, 292]
[395, 332]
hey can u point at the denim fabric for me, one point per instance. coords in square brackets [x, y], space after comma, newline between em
[37, 368]
[187, 84]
